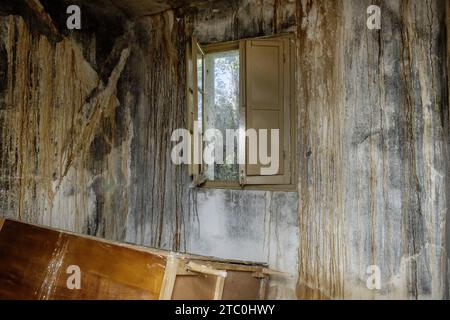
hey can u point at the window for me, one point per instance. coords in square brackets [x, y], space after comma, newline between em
[241, 112]
[222, 111]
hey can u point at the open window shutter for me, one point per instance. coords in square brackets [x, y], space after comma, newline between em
[194, 95]
[267, 106]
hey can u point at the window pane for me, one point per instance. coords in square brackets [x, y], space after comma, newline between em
[221, 111]
[200, 70]
[200, 111]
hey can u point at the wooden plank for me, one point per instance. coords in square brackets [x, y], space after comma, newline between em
[34, 264]
[182, 271]
[269, 272]
[201, 268]
[214, 262]
[229, 265]
[1, 223]
[218, 292]
[35, 261]
[169, 278]
[259, 275]
[263, 289]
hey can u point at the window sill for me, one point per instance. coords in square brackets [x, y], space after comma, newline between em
[236, 186]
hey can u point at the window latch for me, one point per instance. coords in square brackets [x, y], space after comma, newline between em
[242, 179]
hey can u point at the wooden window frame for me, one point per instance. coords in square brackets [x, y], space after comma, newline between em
[292, 156]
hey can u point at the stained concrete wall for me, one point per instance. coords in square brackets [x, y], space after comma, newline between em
[372, 141]
[258, 226]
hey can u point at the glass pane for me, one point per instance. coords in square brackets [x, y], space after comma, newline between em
[200, 70]
[200, 111]
[221, 111]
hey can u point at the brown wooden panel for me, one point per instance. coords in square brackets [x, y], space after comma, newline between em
[25, 253]
[241, 286]
[194, 287]
[34, 260]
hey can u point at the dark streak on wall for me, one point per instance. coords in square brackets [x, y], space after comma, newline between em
[152, 89]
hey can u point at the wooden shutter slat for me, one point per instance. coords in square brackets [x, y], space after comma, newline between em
[267, 103]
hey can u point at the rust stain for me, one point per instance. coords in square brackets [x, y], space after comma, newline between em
[322, 250]
[56, 106]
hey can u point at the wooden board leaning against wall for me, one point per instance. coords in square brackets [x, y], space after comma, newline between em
[39, 263]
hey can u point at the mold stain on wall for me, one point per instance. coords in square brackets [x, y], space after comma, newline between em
[152, 91]
[54, 108]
